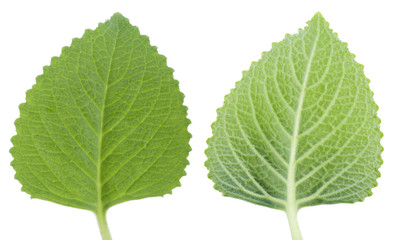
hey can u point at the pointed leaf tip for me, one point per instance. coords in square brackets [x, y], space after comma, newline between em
[117, 15]
[119, 18]
[318, 17]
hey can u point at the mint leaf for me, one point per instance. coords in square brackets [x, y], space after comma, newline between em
[104, 124]
[300, 129]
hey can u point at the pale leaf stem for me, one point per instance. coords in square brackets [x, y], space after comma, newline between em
[292, 213]
[103, 225]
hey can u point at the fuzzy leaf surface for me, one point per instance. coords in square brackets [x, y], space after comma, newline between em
[104, 124]
[300, 127]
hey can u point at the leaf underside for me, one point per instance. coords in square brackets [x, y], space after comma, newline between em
[104, 124]
[300, 124]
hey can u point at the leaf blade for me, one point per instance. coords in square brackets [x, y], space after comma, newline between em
[104, 124]
[285, 110]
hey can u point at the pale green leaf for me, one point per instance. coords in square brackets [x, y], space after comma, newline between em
[104, 124]
[299, 129]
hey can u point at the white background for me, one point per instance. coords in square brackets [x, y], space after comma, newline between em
[209, 44]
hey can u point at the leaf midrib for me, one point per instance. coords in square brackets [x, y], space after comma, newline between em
[291, 190]
[100, 208]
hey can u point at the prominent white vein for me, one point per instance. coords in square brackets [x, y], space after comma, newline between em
[291, 191]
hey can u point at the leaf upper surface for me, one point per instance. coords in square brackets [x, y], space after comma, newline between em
[104, 124]
[300, 124]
